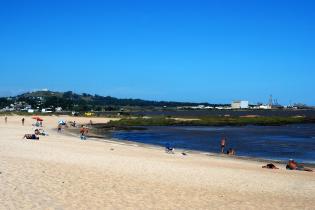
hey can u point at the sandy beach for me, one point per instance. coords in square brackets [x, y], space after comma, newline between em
[62, 172]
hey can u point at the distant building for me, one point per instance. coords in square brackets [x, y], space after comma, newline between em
[240, 104]
[47, 110]
[264, 107]
[58, 109]
[198, 107]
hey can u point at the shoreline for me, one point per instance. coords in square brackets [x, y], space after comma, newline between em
[109, 139]
[62, 172]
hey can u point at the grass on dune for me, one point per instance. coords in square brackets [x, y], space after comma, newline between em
[210, 121]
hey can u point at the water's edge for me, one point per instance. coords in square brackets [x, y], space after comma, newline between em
[109, 139]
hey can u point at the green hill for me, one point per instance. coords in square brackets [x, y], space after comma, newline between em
[85, 102]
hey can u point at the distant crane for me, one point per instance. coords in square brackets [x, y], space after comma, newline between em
[270, 101]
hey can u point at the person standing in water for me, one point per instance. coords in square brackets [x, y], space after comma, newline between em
[223, 143]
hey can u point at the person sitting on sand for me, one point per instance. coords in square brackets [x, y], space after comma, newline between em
[231, 152]
[169, 149]
[36, 124]
[40, 132]
[31, 136]
[292, 165]
[36, 132]
[270, 166]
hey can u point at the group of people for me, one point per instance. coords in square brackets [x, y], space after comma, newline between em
[6, 120]
[291, 165]
[83, 132]
[34, 136]
[62, 124]
[83, 129]
[230, 151]
[39, 131]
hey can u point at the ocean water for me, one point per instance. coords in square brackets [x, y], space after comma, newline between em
[267, 142]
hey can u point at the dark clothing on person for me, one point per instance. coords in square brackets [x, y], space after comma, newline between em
[31, 136]
[270, 166]
[222, 143]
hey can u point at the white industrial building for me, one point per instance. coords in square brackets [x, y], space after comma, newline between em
[240, 104]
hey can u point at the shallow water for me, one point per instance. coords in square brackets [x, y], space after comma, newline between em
[268, 142]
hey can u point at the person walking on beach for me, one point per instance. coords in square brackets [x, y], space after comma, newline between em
[223, 143]
[23, 121]
[6, 119]
[83, 132]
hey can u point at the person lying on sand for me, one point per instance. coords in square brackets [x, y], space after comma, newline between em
[31, 136]
[270, 166]
[292, 165]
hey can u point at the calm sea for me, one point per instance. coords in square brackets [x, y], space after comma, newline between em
[267, 142]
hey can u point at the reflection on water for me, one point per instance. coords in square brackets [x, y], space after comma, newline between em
[275, 142]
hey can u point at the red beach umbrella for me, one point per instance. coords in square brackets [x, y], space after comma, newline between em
[37, 118]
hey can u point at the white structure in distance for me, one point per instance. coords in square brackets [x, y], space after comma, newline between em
[240, 104]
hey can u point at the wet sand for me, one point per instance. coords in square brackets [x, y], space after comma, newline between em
[62, 172]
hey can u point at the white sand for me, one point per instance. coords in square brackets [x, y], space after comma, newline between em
[63, 172]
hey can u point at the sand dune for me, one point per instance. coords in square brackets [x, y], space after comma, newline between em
[62, 172]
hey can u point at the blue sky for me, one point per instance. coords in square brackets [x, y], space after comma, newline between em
[213, 51]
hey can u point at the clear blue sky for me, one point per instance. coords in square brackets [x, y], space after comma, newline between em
[213, 51]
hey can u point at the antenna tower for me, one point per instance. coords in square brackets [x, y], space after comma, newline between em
[270, 101]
